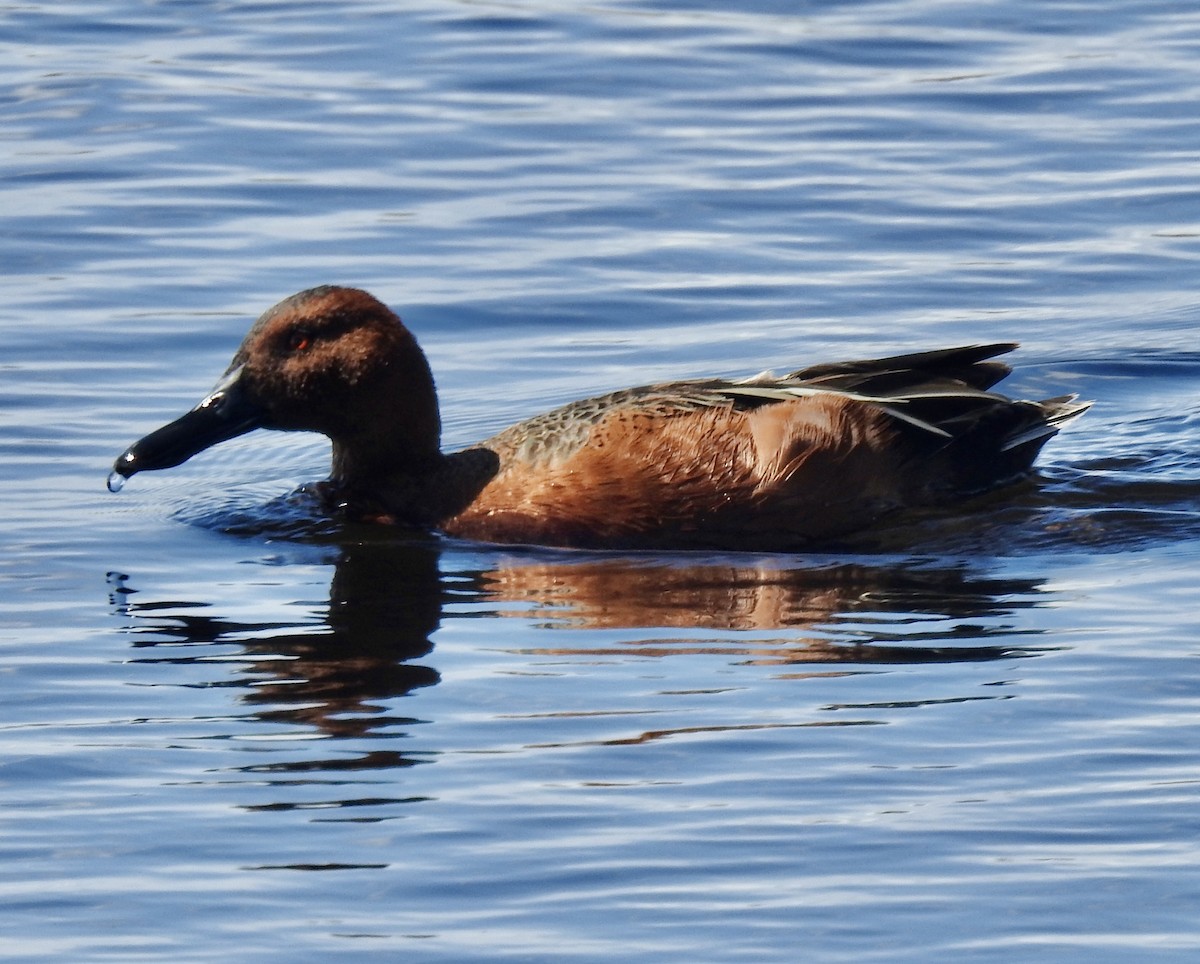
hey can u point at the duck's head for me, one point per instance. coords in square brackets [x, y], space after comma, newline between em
[330, 360]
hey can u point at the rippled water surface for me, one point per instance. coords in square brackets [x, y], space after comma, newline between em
[231, 731]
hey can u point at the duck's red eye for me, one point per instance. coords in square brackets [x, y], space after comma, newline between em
[300, 341]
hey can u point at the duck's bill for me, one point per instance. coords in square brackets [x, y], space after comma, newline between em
[226, 413]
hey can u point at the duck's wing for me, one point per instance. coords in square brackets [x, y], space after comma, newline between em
[950, 430]
[968, 365]
[943, 395]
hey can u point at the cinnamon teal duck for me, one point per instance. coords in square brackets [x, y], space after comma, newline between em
[767, 462]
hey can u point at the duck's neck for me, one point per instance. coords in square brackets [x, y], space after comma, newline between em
[387, 441]
[419, 489]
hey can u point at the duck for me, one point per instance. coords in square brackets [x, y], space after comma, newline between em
[766, 462]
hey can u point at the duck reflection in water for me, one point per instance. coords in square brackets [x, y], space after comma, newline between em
[344, 674]
[337, 674]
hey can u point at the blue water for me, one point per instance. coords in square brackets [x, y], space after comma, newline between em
[231, 732]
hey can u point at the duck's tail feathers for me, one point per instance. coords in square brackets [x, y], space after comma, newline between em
[1056, 413]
